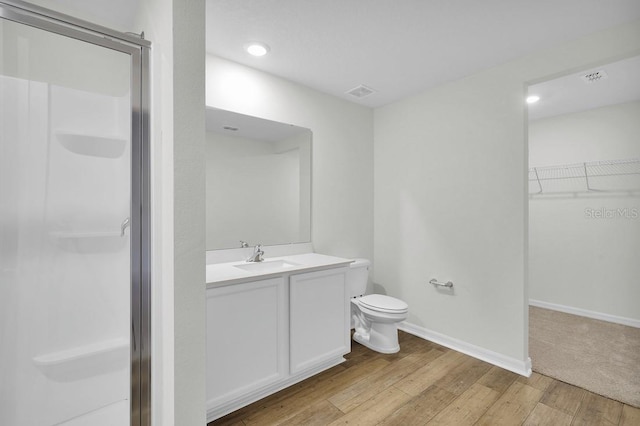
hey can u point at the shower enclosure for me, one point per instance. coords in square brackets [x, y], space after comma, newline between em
[74, 226]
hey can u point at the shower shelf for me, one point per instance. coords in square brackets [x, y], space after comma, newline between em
[78, 362]
[595, 176]
[92, 145]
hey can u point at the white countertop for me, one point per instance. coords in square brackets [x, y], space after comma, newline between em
[227, 273]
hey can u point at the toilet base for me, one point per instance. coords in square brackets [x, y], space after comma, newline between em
[382, 338]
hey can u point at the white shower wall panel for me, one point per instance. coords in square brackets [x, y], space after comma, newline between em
[84, 213]
[65, 333]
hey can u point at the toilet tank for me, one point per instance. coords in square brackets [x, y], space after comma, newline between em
[358, 276]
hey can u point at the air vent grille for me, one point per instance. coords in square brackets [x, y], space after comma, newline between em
[594, 76]
[360, 91]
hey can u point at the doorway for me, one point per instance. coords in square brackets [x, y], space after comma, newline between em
[584, 222]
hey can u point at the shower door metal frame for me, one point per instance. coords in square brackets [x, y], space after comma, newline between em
[140, 228]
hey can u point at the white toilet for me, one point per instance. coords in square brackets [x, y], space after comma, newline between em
[374, 316]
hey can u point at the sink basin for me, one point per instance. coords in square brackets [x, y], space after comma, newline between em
[266, 266]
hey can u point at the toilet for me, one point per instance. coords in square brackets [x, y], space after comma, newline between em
[374, 316]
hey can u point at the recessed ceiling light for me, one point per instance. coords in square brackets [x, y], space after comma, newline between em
[533, 99]
[257, 49]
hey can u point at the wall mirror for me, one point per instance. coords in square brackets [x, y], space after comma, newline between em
[258, 185]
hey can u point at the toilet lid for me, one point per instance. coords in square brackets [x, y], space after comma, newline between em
[382, 303]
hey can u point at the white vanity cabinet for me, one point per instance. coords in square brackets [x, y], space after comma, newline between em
[318, 318]
[269, 331]
[246, 338]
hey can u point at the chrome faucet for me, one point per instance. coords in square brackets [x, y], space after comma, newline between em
[257, 254]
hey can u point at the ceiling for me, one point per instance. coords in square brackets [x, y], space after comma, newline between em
[571, 93]
[398, 48]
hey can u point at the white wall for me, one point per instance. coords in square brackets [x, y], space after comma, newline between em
[176, 30]
[451, 198]
[606, 133]
[189, 207]
[576, 259]
[342, 154]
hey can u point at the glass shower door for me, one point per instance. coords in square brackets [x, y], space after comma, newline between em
[65, 246]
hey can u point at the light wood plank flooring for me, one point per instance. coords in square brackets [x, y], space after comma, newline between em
[428, 384]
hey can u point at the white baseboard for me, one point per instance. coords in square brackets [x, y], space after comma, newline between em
[585, 313]
[512, 364]
[215, 411]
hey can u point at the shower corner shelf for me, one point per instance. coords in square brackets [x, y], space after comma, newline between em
[76, 363]
[92, 145]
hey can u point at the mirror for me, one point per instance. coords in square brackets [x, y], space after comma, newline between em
[258, 185]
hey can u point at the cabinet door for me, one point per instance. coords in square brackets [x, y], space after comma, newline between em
[246, 338]
[319, 318]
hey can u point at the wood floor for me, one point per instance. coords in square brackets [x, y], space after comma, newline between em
[428, 384]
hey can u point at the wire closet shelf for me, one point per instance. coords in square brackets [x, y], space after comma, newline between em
[595, 176]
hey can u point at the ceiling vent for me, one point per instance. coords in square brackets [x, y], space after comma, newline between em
[360, 91]
[594, 76]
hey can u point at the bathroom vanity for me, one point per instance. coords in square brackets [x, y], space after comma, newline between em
[271, 324]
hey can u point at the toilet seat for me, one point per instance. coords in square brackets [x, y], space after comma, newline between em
[383, 303]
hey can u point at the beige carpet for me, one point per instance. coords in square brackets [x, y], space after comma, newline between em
[599, 356]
